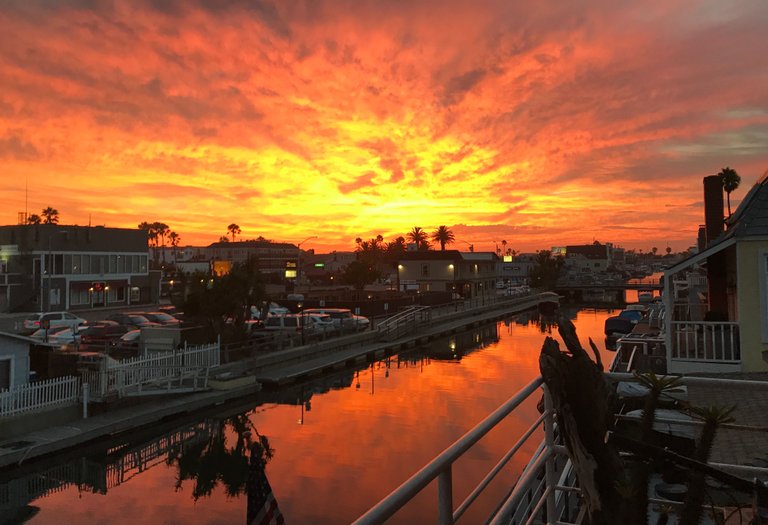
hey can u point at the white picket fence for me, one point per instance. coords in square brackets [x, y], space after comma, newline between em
[122, 376]
[59, 391]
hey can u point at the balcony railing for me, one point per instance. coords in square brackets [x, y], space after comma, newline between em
[702, 341]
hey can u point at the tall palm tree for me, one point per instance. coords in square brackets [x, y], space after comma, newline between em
[34, 219]
[419, 238]
[234, 229]
[443, 236]
[174, 238]
[161, 230]
[504, 247]
[731, 181]
[51, 215]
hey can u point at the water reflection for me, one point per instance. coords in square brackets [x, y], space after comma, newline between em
[336, 435]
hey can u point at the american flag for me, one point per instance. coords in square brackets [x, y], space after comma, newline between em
[262, 505]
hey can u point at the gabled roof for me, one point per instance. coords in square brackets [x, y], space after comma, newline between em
[749, 220]
[751, 217]
[447, 255]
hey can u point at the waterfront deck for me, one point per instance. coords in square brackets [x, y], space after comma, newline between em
[739, 446]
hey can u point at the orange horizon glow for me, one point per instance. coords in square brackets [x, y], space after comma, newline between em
[542, 125]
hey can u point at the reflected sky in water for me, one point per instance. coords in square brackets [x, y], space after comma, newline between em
[330, 449]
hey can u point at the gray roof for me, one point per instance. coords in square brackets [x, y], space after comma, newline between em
[751, 217]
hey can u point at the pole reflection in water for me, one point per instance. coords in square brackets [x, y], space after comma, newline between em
[262, 505]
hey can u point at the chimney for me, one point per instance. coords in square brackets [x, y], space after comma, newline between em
[713, 207]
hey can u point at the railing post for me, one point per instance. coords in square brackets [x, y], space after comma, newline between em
[549, 441]
[445, 496]
[86, 396]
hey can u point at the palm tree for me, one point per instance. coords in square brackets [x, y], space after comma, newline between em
[731, 181]
[161, 230]
[34, 219]
[174, 238]
[51, 215]
[504, 247]
[234, 229]
[419, 238]
[444, 236]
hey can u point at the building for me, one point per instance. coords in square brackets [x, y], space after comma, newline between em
[14, 360]
[465, 274]
[717, 299]
[516, 269]
[46, 267]
[587, 258]
[270, 257]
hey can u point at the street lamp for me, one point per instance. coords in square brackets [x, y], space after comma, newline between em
[298, 258]
[471, 246]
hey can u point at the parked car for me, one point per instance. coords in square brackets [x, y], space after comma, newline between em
[290, 322]
[102, 332]
[342, 317]
[55, 319]
[161, 318]
[322, 323]
[273, 309]
[60, 335]
[131, 319]
[361, 322]
[129, 341]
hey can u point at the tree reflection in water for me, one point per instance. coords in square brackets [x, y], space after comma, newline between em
[216, 461]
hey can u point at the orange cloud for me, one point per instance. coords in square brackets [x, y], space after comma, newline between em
[353, 119]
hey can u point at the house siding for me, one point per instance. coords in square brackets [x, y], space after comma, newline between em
[753, 316]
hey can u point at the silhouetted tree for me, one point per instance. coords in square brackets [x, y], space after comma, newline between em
[360, 273]
[731, 181]
[669, 250]
[175, 238]
[443, 236]
[223, 238]
[34, 219]
[161, 230]
[546, 270]
[234, 229]
[51, 215]
[419, 238]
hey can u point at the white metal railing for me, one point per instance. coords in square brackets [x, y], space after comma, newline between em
[441, 467]
[118, 377]
[706, 341]
[403, 322]
[39, 395]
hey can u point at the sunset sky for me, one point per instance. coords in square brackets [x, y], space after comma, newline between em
[540, 123]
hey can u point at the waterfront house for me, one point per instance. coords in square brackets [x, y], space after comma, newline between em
[14, 360]
[56, 267]
[464, 274]
[516, 269]
[717, 300]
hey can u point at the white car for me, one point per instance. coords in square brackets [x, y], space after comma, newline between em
[55, 319]
[362, 322]
[322, 322]
[60, 335]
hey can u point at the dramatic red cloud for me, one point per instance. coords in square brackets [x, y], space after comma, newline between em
[541, 124]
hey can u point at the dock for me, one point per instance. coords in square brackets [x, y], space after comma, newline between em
[276, 368]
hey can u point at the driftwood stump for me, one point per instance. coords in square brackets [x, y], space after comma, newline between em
[583, 400]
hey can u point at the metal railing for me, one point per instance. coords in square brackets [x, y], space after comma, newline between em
[441, 467]
[404, 322]
[39, 395]
[117, 378]
[706, 341]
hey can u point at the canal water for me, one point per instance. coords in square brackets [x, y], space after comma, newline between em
[321, 453]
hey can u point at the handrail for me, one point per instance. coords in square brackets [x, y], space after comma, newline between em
[442, 463]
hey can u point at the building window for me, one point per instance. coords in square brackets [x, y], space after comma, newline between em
[143, 264]
[135, 294]
[76, 265]
[79, 297]
[113, 264]
[425, 270]
[121, 264]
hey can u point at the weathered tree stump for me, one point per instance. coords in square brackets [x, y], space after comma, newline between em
[583, 400]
